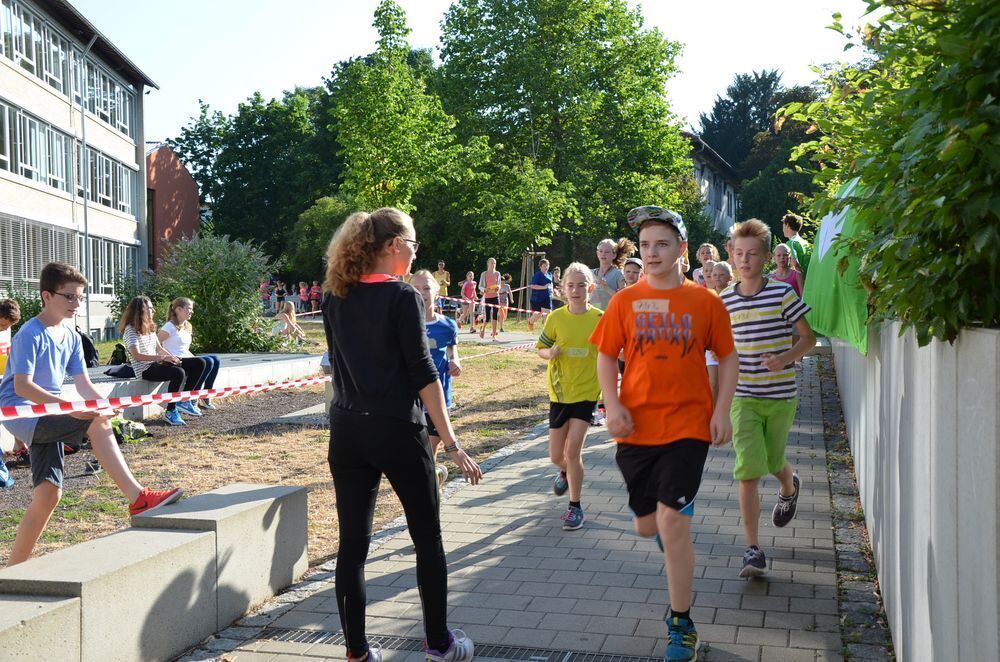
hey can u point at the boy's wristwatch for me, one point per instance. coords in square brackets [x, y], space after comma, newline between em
[451, 449]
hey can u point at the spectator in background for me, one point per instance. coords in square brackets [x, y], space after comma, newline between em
[783, 269]
[706, 253]
[285, 324]
[280, 292]
[541, 287]
[632, 271]
[611, 256]
[151, 361]
[315, 295]
[303, 296]
[722, 276]
[443, 279]
[801, 250]
[176, 336]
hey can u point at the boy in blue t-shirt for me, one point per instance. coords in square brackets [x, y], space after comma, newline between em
[42, 353]
[442, 341]
[541, 293]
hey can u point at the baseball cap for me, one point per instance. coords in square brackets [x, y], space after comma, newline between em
[636, 217]
[634, 260]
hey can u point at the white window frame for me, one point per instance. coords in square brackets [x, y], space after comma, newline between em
[24, 41]
[6, 147]
[6, 29]
[31, 141]
[56, 154]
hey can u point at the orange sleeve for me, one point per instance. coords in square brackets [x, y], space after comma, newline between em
[720, 331]
[609, 336]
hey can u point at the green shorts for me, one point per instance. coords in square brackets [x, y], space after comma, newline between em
[760, 432]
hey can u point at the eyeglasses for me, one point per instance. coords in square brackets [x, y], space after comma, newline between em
[72, 298]
[416, 244]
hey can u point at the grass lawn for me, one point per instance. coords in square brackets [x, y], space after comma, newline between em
[498, 398]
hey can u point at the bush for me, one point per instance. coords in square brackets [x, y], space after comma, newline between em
[917, 126]
[29, 301]
[221, 276]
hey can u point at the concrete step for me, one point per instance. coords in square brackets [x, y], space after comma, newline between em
[143, 594]
[260, 538]
[26, 621]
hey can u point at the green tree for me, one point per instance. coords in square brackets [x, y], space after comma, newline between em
[918, 130]
[198, 146]
[314, 230]
[579, 88]
[393, 135]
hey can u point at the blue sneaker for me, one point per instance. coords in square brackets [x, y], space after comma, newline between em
[573, 519]
[560, 484]
[6, 480]
[189, 407]
[682, 640]
[754, 563]
[174, 418]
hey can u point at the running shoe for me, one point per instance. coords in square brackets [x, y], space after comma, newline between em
[461, 649]
[173, 417]
[784, 510]
[560, 484]
[754, 563]
[150, 500]
[600, 418]
[6, 480]
[189, 407]
[682, 640]
[573, 519]
[206, 404]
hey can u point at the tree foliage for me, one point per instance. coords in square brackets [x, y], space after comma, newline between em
[576, 87]
[314, 230]
[918, 130]
[746, 110]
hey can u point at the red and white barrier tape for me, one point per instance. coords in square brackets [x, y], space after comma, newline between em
[513, 348]
[110, 404]
[34, 411]
[493, 305]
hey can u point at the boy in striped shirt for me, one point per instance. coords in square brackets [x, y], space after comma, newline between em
[763, 313]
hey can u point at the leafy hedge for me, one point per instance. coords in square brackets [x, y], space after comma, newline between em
[917, 124]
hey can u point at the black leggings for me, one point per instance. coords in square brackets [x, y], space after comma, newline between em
[362, 448]
[188, 373]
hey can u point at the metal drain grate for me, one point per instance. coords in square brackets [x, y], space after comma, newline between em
[486, 651]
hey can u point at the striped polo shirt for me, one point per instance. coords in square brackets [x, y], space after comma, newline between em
[762, 324]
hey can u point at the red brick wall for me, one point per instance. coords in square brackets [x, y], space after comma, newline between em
[173, 200]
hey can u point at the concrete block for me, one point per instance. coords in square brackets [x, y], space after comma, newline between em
[39, 628]
[260, 533]
[143, 594]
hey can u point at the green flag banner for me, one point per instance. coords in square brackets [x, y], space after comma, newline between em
[839, 303]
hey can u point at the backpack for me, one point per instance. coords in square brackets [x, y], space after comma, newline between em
[118, 355]
[91, 357]
[129, 432]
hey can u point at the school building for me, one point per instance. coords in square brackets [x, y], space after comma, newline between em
[72, 154]
[718, 183]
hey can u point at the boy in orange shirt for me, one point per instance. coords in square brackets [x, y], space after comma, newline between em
[664, 419]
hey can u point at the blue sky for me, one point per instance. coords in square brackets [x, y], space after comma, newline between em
[224, 50]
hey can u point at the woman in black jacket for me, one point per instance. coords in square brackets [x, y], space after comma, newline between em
[377, 341]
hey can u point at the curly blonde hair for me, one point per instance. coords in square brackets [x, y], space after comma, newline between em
[356, 244]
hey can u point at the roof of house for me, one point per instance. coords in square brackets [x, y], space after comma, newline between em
[705, 151]
[76, 23]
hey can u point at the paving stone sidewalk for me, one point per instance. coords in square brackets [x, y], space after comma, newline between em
[525, 589]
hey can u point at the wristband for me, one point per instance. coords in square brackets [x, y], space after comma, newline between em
[451, 449]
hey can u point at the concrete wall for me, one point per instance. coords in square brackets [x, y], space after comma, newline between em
[924, 430]
[154, 590]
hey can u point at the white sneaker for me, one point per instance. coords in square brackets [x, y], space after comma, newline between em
[600, 418]
[461, 649]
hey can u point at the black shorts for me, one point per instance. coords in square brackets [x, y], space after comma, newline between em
[669, 474]
[537, 306]
[561, 412]
[46, 451]
[492, 312]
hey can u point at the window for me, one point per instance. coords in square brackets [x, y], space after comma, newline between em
[730, 208]
[31, 140]
[4, 139]
[6, 30]
[58, 155]
[55, 60]
[24, 38]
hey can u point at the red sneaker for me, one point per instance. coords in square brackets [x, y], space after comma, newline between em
[152, 499]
